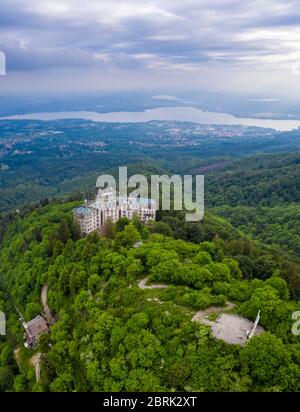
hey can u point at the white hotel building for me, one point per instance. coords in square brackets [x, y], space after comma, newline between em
[108, 205]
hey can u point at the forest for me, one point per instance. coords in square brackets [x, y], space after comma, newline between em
[111, 335]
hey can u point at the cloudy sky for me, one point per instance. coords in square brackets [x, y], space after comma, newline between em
[218, 45]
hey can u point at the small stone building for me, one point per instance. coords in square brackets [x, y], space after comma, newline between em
[33, 329]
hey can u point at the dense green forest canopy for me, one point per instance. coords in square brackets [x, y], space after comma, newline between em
[260, 195]
[265, 180]
[274, 225]
[111, 335]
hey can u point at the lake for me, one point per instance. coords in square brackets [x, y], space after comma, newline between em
[178, 113]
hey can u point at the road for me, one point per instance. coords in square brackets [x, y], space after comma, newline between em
[36, 363]
[142, 285]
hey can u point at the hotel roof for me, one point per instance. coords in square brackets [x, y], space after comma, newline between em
[122, 201]
[83, 210]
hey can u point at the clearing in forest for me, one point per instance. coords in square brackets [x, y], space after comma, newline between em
[232, 329]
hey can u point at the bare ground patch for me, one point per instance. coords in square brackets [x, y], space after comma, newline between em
[203, 315]
[36, 363]
[232, 329]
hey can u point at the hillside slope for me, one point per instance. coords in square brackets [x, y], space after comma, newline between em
[111, 335]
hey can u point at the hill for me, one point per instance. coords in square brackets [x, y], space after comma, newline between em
[110, 334]
[260, 196]
[265, 180]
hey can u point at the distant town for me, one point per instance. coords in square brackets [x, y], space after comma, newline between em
[32, 138]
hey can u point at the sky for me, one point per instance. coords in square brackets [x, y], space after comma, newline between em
[167, 45]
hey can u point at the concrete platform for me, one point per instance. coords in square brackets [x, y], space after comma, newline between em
[233, 329]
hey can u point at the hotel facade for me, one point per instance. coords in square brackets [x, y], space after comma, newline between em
[108, 205]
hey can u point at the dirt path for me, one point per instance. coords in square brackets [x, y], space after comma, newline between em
[36, 363]
[17, 356]
[202, 315]
[142, 285]
[47, 311]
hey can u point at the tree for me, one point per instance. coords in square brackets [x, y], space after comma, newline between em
[247, 265]
[32, 310]
[121, 224]
[220, 271]
[280, 285]
[162, 228]
[142, 380]
[20, 384]
[209, 247]
[75, 230]
[266, 299]
[202, 258]
[6, 377]
[108, 229]
[234, 267]
[263, 357]
[264, 266]
[37, 233]
[63, 383]
[164, 270]
[177, 374]
[128, 237]
[53, 238]
[191, 274]
[94, 282]
[134, 267]
[64, 231]
[6, 354]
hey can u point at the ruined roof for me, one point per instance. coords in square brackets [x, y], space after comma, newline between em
[36, 326]
[82, 210]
